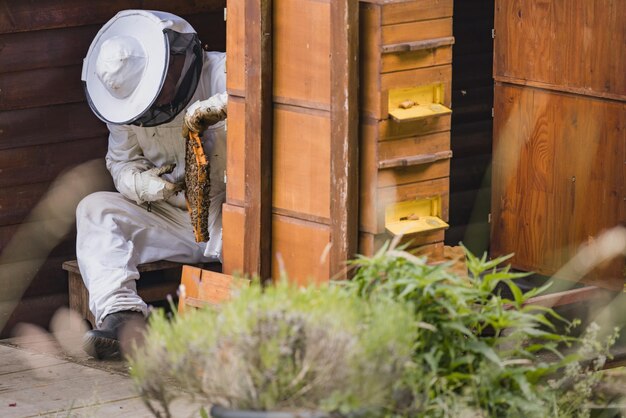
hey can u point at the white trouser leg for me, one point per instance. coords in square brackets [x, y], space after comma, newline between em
[114, 235]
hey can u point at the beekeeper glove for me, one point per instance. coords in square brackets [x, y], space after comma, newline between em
[204, 113]
[151, 187]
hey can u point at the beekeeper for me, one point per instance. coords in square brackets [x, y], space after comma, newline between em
[145, 75]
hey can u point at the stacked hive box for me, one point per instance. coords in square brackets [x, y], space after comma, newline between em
[406, 73]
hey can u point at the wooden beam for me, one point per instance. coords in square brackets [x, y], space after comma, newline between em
[344, 15]
[567, 297]
[258, 139]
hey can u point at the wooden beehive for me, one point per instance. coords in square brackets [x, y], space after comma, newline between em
[302, 203]
[559, 177]
[406, 78]
[405, 55]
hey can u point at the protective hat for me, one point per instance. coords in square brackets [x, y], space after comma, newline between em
[128, 62]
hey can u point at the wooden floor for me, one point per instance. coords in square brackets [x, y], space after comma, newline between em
[40, 378]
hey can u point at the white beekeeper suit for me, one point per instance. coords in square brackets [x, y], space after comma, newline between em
[148, 219]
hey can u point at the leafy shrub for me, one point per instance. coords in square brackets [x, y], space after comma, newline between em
[282, 348]
[475, 351]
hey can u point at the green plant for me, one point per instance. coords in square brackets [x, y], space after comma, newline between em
[278, 348]
[475, 351]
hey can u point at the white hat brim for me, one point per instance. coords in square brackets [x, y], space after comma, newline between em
[150, 34]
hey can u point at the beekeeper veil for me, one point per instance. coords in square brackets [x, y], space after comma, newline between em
[142, 68]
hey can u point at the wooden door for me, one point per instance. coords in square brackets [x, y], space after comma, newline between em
[559, 156]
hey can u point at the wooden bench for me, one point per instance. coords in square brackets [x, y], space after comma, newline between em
[158, 279]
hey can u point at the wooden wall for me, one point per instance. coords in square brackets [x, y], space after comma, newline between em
[559, 133]
[47, 128]
[471, 137]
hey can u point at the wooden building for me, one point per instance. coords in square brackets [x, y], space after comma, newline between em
[297, 188]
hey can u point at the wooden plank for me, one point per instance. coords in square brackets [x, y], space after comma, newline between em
[420, 45]
[301, 216]
[18, 361]
[49, 125]
[44, 163]
[64, 248]
[413, 146]
[47, 279]
[233, 224]
[416, 31]
[236, 151]
[344, 119]
[258, 148]
[569, 89]
[415, 160]
[373, 152]
[35, 311]
[20, 16]
[301, 248]
[390, 129]
[207, 288]
[302, 45]
[17, 201]
[59, 203]
[555, 185]
[302, 161]
[583, 60]
[398, 12]
[370, 45]
[567, 297]
[370, 243]
[400, 61]
[45, 49]
[41, 87]
[72, 266]
[397, 177]
[65, 46]
[37, 392]
[236, 50]
[88, 389]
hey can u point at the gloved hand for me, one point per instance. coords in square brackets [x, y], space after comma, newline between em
[204, 113]
[151, 187]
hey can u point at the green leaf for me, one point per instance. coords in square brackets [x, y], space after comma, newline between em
[481, 348]
[457, 326]
[518, 296]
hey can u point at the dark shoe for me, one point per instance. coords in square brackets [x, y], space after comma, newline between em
[104, 343]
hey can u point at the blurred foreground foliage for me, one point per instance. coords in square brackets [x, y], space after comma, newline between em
[402, 338]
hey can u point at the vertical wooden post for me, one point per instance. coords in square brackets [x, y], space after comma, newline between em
[344, 16]
[258, 139]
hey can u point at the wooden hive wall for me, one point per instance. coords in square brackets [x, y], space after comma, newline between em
[47, 128]
[559, 137]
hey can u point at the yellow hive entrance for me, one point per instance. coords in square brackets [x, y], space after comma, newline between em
[414, 216]
[417, 103]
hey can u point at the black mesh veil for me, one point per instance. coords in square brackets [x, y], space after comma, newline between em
[180, 44]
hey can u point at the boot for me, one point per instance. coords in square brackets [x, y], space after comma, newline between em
[104, 343]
